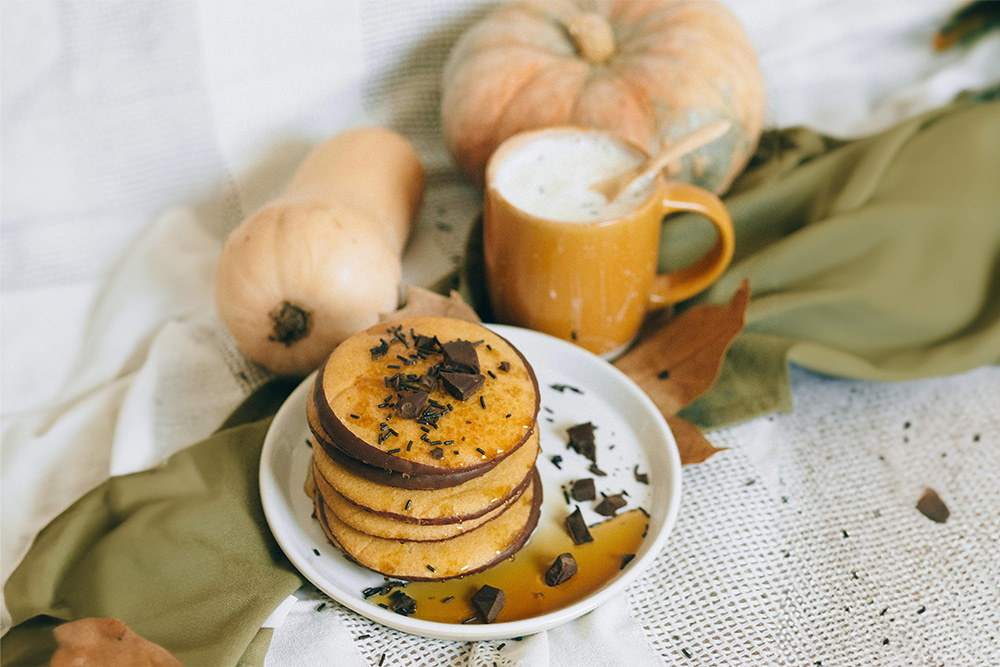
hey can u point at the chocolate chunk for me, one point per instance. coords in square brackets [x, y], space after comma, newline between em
[401, 603]
[626, 559]
[437, 453]
[461, 385]
[610, 505]
[583, 489]
[426, 382]
[581, 440]
[577, 528]
[460, 356]
[640, 477]
[427, 344]
[562, 568]
[932, 507]
[411, 405]
[504, 366]
[488, 602]
[597, 471]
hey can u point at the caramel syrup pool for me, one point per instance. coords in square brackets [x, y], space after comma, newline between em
[522, 577]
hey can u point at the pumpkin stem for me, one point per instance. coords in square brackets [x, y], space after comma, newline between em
[291, 323]
[592, 37]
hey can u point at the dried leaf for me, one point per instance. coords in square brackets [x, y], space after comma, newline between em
[693, 446]
[106, 642]
[422, 302]
[680, 362]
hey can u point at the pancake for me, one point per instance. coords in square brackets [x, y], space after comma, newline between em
[440, 506]
[363, 393]
[381, 475]
[382, 526]
[471, 552]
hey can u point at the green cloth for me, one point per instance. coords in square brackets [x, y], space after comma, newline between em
[876, 259]
[879, 259]
[181, 553]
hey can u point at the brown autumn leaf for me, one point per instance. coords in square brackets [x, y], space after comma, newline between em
[106, 642]
[422, 302]
[681, 360]
[692, 445]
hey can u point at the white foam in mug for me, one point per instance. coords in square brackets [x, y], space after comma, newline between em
[550, 177]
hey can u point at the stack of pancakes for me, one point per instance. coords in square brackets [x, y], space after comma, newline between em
[424, 463]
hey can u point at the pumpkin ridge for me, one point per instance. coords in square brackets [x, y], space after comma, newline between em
[643, 101]
[562, 61]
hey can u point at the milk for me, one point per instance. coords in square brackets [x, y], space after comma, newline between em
[549, 177]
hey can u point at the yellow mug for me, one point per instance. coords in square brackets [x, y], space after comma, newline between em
[585, 270]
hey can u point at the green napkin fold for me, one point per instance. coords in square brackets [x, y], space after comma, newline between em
[878, 259]
[181, 553]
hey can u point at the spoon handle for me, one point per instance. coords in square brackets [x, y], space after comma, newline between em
[695, 139]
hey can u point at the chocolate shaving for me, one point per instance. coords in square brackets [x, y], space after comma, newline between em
[594, 470]
[427, 344]
[583, 489]
[461, 385]
[562, 568]
[581, 440]
[932, 507]
[577, 528]
[384, 589]
[488, 602]
[401, 603]
[626, 559]
[640, 477]
[610, 505]
[460, 356]
[411, 406]
[426, 382]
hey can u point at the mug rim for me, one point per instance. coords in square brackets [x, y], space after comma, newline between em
[525, 137]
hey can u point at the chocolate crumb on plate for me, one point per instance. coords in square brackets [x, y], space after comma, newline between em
[932, 507]
[488, 602]
[562, 568]
[577, 528]
[610, 505]
[583, 489]
[401, 603]
[640, 477]
[581, 440]
[626, 559]
[594, 470]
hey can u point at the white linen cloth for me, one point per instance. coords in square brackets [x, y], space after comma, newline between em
[136, 135]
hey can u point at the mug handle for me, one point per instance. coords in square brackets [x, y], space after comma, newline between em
[676, 286]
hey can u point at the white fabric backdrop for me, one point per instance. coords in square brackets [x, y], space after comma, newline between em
[135, 135]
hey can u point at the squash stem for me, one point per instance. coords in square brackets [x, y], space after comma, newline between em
[291, 323]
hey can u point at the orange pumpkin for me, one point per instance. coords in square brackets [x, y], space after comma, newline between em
[649, 71]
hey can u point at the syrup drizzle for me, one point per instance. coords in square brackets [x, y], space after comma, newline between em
[522, 578]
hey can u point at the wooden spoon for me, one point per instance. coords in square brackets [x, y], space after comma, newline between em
[612, 187]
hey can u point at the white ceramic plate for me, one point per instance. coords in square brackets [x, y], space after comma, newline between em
[576, 386]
